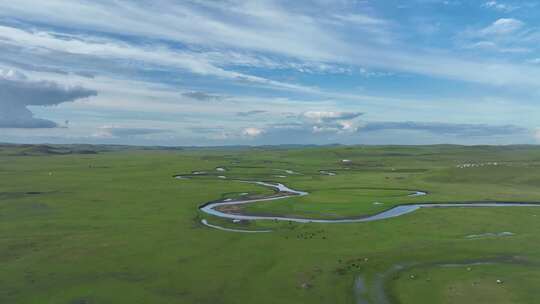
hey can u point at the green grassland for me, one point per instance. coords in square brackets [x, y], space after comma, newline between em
[110, 224]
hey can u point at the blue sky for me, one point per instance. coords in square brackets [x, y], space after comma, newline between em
[270, 72]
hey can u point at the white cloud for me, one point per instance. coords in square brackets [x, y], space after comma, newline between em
[274, 30]
[331, 121]
[492, 46]
[537, 134]
[252, 132]
[503, 26]
[321, 116]
[111, 49]
[499, 6]
[348, 125]
[361, 19]
[505, 35]
[146, 47]
[12, 75]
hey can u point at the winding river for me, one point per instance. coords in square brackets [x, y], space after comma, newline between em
[212, 208]
[360, 288]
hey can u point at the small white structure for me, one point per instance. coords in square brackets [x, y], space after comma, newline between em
[474, 165]
[327, 173]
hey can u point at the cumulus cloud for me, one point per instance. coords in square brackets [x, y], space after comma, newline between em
[252, 132]
[303, 127]
[465, 130]
[121, 132]
[331, 121]
[537, 134]
[17, 92]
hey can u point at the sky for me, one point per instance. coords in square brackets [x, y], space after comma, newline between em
[205, 73]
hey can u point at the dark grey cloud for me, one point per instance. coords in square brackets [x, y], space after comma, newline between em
[17, 92]
[250, 113]
[202, 96]
[85, 74]
[466, 130]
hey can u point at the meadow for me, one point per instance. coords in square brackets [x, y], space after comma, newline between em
[111, 224]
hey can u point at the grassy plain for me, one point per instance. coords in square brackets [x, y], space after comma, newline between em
[114, 226]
